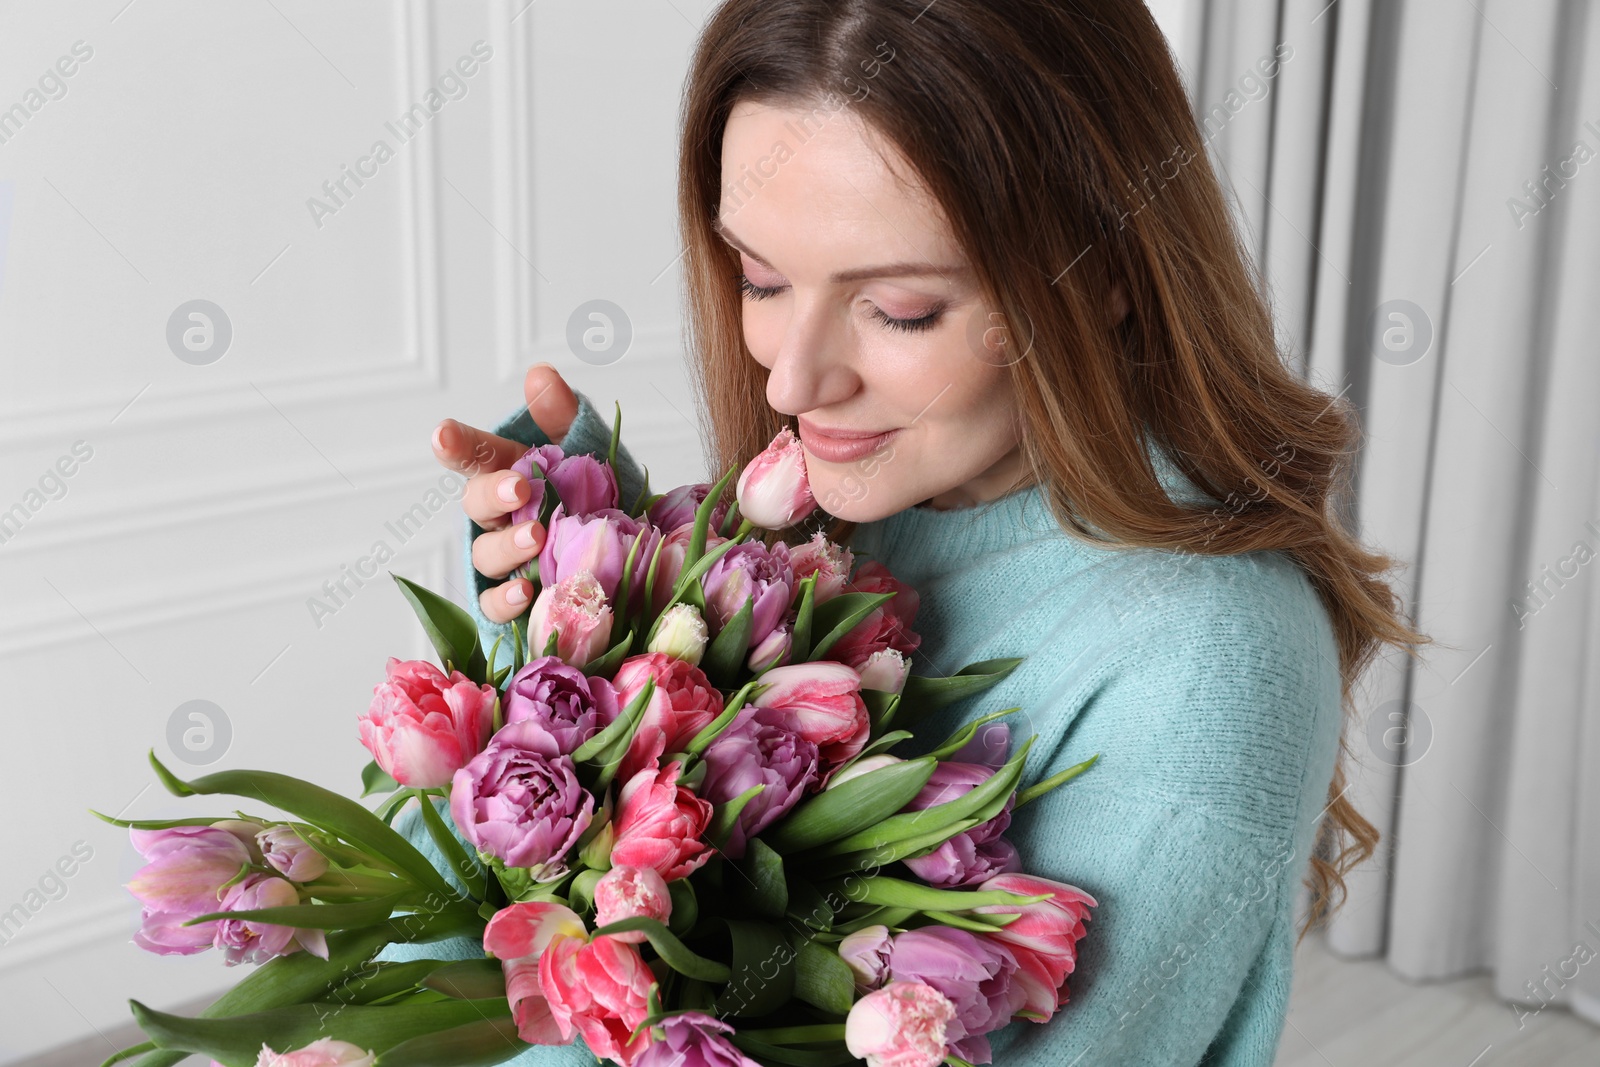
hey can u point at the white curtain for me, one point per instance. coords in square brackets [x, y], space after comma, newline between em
[1421, 181]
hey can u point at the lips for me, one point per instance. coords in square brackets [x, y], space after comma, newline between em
[841, 445]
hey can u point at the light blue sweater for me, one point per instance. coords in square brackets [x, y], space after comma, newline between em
[1209, 686]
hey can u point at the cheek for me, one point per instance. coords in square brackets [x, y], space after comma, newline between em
[763, 331]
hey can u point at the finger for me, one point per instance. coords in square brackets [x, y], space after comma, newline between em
[499, 552]
[505, 602]
[490, 498]
[472, 451]
[551, 401]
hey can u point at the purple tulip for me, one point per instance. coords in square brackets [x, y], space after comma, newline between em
[974, 972]
[866, 953]
[598, 542]
[693, 1039]
[254, 941]
[749, 569]
[584, 484]
[679, 505]
[286, 852]
[974, 855]
[186, 868]
[757, 748]
[520, 801]
[568, 705]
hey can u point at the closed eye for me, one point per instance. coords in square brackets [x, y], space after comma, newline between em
[921, 322]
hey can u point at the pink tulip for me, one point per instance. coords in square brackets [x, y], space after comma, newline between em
[599, 542]
[183, 878]
[773, 492]
[1044, 939]
[630, 893]
[576, 611]
[599, 988]
[885, 670]
[323, 1052]
[900, 1025]
[255, 941]
[831, 564]
[678, 506]
[866, 953]
[286, 852]
[669, 563]
[517, 935]
[888, 625]
[583, 483]
[684, 703]
[753, 573]
[821, 701]
[422, 727]
[659, 824]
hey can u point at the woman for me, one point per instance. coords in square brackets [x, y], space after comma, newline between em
[975, 252]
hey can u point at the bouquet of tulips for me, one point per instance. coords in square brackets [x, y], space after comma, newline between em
[675, 820]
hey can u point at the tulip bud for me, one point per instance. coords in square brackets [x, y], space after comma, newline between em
[773, 492]
[630, 892]
[860, 767]
[288, 854]
[574, 608]
[773, 648]
[884, 670]
[681, 635]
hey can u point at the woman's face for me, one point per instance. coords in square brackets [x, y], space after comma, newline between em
[862, 307]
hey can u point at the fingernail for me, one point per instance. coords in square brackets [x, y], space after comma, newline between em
[438, 437]
[522, 536]
[517, 594]
[507, 489]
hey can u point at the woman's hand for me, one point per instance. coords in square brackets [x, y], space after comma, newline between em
[494, 491]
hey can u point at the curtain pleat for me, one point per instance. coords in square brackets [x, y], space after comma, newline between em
[1418, 188]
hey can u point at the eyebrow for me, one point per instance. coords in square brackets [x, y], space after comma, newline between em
[888, 270]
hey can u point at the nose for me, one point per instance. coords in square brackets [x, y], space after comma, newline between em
[814, 366]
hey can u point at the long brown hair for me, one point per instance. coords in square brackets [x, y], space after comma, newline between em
[1061, 147]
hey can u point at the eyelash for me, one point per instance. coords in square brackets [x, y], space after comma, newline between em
[923, 322]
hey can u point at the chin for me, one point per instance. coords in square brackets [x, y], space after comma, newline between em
[857, 500]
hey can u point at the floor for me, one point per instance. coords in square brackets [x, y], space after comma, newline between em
[1358, 1013]
[1344, 1013]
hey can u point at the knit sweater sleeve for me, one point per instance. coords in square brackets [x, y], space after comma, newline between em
[1216, 717]
[590, 433]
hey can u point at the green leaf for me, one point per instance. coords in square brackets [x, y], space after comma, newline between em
[479, 1044]
[792, 1057]
[322, 808]
[922, 694]
[381, 979]
[301, 976]
[838, 615]
[763, 890]
[724, 816]
[157, 824]
[374, 779]
[713, 729]
[809, 907]
[469, 979]
[236, 1041]
[316, 916]
[669, 948]
[449, 626]
[824, 980]
[897, 893]
[685, 906]
[467, 868]
[1039, 789]
[391, 807]
[726, 653]
[805, 609]
[910, 824]
[875, 859]
[702, 520]
[616, 436]
[958, 740]
[844, 809]
[606, 664]
[127, 1053]
[619, 615]
[757, 948]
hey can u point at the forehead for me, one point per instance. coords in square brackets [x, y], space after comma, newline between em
[801, 176]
